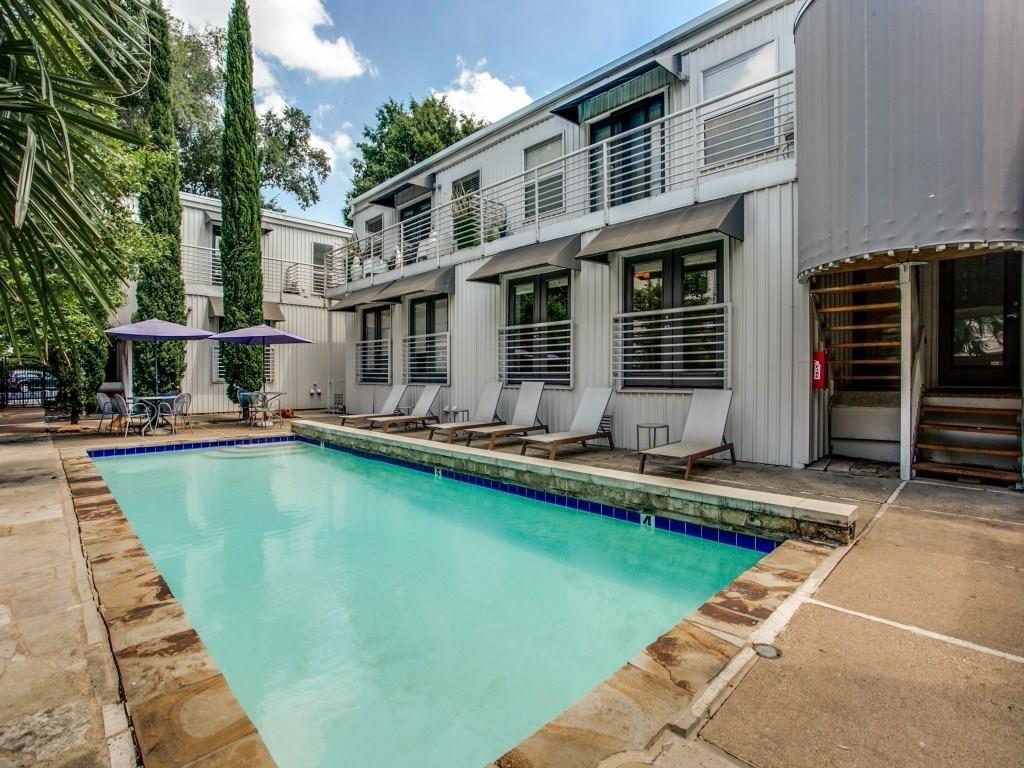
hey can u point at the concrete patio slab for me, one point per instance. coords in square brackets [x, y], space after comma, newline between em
[858, 694]
[953, 499]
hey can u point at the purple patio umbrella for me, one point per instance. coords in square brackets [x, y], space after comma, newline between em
[260, 336]
[157, 330]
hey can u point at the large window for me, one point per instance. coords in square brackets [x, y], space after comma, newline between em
[323, 268]
[543, 191]
[373, 352]
[415, 220]
[216, 276]
[466, 210]
[426, 346]
[741, 124]
[218, 360]
[636, 162]
[537, 341]
[674, 332]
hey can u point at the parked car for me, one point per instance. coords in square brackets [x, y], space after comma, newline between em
[29, 386]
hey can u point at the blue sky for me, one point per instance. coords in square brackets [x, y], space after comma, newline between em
[340, 60]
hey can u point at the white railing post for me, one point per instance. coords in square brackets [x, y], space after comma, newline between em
[606, 180]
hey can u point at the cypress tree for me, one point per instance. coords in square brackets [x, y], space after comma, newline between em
[161, 291]
[240, 207]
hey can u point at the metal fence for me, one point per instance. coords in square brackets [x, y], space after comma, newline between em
[425, 359]
[536, 352]
[26, 384]
[373, 361]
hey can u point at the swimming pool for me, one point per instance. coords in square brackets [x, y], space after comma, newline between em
[367, 614]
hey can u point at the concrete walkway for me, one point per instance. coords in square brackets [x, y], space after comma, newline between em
[60, 703]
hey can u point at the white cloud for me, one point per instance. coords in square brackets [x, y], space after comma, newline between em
[262, 77]
[478, 92]
[340, 147]
[286, 31]
[271, 101]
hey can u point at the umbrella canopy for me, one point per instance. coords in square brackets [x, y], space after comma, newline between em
[259, 336]
[157, 330]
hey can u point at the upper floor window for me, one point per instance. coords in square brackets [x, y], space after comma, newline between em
[373, 352]
[216, 276]
[741, 124]
[323, 267]
[415, 220]
[636, 161]
[426, 346]
[466, 210]
[543, 189]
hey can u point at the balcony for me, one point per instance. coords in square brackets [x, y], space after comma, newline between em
[425, 359]
[682, 348]
[202, 266]
[662, 162]
[536, 352]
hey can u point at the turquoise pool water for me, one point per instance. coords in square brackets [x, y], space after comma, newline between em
[366, 614]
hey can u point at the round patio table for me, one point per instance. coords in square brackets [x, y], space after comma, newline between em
[155, 417]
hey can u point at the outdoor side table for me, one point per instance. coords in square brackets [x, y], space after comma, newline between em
[456, 414]
[652, 433]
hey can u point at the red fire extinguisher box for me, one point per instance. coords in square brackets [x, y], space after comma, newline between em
[819, 369]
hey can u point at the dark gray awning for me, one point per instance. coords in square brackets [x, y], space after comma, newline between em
[724, 215]
[350, 302]
[435, 281]
[271, 311]
[553, 253]
[649, 78]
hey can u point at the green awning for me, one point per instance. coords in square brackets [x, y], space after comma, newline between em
[610, 96]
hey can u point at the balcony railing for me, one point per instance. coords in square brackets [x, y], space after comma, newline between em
[739, 130]
[373, 361]
[425, 359]
[202, 266]
[537, 352]
[673, 348]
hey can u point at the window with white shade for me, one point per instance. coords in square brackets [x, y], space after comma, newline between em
[743, 123]
[543, 191]
[323, 268]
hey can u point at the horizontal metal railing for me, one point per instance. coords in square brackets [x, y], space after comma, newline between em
[744, 128]
[425, 359]
[202, 266]
[373, 361]
[672, 348]
[537, 352]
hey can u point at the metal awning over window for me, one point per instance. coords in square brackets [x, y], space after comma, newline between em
[435, 281]
[271, 310]
[553, 253]
[352, 301]
[725, 216]
[651, 78]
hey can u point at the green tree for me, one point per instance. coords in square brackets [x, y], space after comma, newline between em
[402, 136]
[240, 207]
[63, 65]
[161, 290]
[288, 160]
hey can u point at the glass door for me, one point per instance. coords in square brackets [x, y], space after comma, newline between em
[979, 321]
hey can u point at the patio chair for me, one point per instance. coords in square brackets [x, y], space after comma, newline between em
[524, 417]
[703, 433]
[586, 425]
[137, 414]
[485, 414]
[244, 403]
[180, 408]
[261, 408]
[420, 414]
[390, 407]
[105, 409]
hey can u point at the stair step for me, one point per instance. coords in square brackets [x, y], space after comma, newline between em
[1009, 412]
[963, 470]
[868, 361]
[865, 327]
[859, 308]
[1012, 453]
[970, 428]
[864, 344]
[885, 285]
[866, 378]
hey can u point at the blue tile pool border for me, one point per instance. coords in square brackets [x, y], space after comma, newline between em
[636, 517]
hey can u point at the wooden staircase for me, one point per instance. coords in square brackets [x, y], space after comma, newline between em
[975, 437]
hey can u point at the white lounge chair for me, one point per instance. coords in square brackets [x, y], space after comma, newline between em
[390, 407]
[420, 413]
[485, 415]
[524, 418]
[703, 434]
[586, 425]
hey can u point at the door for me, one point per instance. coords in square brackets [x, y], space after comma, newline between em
[979, 321]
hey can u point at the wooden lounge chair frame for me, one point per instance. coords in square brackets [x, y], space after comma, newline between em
[485, 414]
[352, 417]
[590, 411]
[427, 398]
[530, 394]
[692, 457]
[704, 428]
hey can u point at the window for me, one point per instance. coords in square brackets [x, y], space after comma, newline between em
[741, 124]
[543, 190]
[537, 342]
[373, 352]
[323, 268]
[466, 210]
[666, 337]
[216, 277]
[636, 162]
[426, 346]
[218, 361]
[415, 220]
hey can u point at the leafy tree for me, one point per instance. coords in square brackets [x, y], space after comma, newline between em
[403, 136]
[240, 207]
[161, 290]
[63, 64]
[288, 159]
